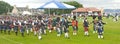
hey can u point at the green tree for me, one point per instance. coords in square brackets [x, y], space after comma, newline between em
[5, 7]
[74, 3]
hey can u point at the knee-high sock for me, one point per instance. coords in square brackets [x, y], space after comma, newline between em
[27, 31]
[44, 31]
[35, 32]
[86, 33]
[39, 37]
[31, 29]
[74, 33]
[12, 29]
[101, 36]
[66, 35]
[58, 34]
[22, 34]
[98, 36]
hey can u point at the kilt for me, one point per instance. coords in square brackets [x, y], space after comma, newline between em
[1, 27]
[5, 27]
[85, 28]
[100, 30]
[16, 28]
[75, 28]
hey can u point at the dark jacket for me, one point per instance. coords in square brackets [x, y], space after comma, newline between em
[85, 24]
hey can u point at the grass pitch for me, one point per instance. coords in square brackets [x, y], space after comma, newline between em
[111, 36]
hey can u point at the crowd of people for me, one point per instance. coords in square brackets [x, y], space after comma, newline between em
[39, 24]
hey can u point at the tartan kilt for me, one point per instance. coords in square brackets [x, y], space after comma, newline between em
[85, 28]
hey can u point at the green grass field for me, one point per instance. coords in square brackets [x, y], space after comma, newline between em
[111, 36]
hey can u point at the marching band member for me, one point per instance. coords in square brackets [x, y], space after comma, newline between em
[94, 26]
[58, 29]
[35, 27]
[39, 26]
[75, 25]
[16, 26]
[66, 26]
[22, 28]
[100, 28]
[1, 26]
[86, 25]
[50, 25]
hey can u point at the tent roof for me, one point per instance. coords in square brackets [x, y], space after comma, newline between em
[26, 13]
[56, 5]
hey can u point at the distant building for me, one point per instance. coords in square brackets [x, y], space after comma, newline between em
[88, 11]
[25, 10]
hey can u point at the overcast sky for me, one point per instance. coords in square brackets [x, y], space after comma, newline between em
[107, 4]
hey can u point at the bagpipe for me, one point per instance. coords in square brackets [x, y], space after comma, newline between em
[15, 25]
[69, 23]
[11, 26]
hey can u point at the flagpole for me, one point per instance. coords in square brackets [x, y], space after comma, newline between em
[49, 11]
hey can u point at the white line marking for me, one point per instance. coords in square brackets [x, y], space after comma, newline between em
[12, 40]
